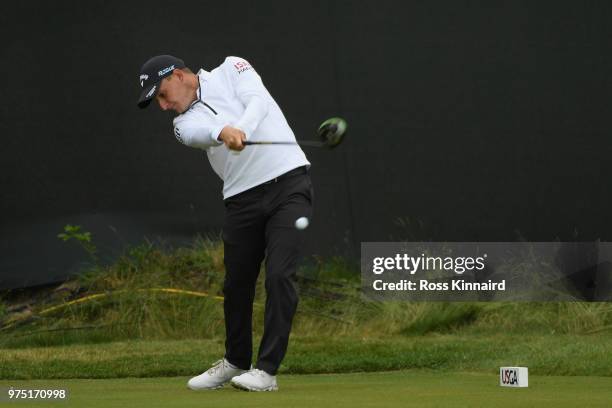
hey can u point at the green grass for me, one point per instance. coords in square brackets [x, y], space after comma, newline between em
[414, 388]
[123, 301]
[114, 322]
[543, 354]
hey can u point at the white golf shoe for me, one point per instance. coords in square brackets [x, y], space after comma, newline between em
[255, 380]
[216, 376]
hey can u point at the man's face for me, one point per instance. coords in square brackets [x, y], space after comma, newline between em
[174, 94]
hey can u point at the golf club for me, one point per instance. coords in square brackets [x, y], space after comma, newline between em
[331, 133]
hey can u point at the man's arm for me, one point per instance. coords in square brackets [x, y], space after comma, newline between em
[251, 92]
[254, 97]
[197, 135]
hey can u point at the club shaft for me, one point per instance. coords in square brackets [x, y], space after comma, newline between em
[310, 143]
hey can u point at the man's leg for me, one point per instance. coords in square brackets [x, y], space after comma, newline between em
[287, 201]
[244, 246]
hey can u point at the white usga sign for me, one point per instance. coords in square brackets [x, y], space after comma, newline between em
[513, 377]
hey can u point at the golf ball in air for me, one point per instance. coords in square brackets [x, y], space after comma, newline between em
[301, 223]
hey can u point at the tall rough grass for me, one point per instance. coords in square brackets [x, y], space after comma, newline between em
[151, 293]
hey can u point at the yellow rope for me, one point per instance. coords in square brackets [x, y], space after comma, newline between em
[183, 292]
[103, 295]
[74, 302]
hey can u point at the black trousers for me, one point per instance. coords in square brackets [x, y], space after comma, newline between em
[259, 223]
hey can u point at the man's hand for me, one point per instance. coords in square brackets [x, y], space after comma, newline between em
[232, 137]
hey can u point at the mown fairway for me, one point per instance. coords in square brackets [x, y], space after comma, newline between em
[414, 388]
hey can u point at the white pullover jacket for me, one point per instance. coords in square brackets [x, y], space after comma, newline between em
[233, 94]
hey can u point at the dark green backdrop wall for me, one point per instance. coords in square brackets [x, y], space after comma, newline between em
[468, 121]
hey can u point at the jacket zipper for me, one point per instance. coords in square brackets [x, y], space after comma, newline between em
[209, 107]
[200, 98]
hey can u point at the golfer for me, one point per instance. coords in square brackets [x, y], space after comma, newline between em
[265, 190]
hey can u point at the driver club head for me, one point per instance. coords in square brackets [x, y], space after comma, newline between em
[332, 131]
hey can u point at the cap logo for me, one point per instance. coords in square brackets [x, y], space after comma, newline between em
[151, 92]
[143, 78]
[165, 70]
